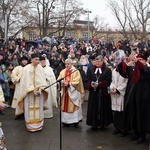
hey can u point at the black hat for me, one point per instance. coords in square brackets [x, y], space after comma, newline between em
[42, 57]
[10, 64]
[34, 55]
[143, 56]
[24, 58]
[144, 53]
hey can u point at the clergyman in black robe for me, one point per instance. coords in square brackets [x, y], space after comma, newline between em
[99, 112]
[137, 98]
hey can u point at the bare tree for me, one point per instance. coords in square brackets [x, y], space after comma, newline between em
[132, 16]
[65, 12]
[18, 15]
[38, 13]
[99, 24]
[44, 10]
[121, 15]
[69, 11]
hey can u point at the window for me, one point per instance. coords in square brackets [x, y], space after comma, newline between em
[32, 35]
[55, 34]
[70, 34]
[85, 35]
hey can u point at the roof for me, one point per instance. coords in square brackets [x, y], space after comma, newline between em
[81, 22]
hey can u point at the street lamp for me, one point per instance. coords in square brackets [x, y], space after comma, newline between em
[6, 26]
[88, 12]
[5, 19]
[148, 16]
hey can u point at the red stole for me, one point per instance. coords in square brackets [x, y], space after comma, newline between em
[66, 99]
[136, 73]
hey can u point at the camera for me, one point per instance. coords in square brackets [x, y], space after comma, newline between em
[108, 89]
[93, 82]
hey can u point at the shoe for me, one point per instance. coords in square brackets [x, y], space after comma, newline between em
[1, 113]
[103, 129]
[66, 125]
[93, 128]
[140, 140]
[21, 116]
[134, 138]
[17, 117]
[76, 125]
[116, 131]
[123, 133]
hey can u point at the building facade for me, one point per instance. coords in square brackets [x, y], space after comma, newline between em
[78, 29]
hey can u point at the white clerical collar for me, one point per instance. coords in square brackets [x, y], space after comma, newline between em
[98, 69]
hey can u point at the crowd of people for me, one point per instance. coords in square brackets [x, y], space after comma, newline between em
[114, 78]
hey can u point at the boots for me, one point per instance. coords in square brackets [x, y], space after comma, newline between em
[141, 139]
[1, 112]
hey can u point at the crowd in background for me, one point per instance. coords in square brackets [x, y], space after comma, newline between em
[57, 50]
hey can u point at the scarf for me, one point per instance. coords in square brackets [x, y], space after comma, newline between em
[136, 72]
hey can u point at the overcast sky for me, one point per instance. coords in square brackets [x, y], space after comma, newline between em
[100, 8]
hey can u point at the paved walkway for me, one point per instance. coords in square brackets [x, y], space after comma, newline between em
[18, 138]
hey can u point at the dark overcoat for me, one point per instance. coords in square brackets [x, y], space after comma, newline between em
[137, 99]
[99, 103]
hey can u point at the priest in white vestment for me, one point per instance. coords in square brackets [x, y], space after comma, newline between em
[15, 78]
[52, 97]
[32, 94]
[117, 92]
[2, 99]
[72, 95]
